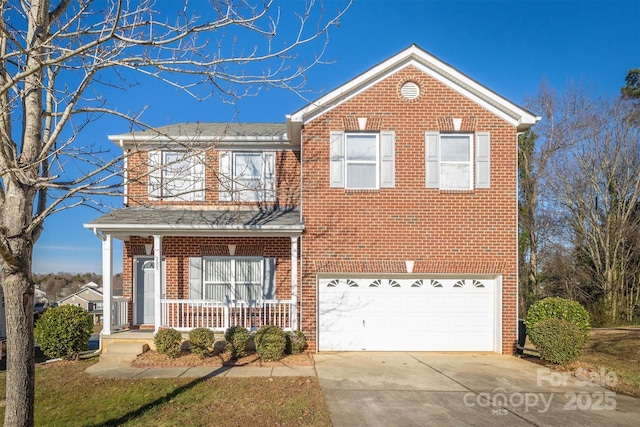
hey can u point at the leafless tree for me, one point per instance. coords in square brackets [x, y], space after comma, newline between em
[596, 185]
[60, 59]
[538, 219]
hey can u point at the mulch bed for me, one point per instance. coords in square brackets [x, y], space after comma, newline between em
[152, 359]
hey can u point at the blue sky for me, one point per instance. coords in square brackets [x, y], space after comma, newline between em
[509, 46]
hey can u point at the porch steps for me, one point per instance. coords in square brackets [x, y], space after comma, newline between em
[119, 352]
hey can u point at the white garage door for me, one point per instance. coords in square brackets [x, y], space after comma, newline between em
[406, 315]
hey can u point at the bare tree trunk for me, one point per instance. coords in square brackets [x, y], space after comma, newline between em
[20, 349]
[51, 53]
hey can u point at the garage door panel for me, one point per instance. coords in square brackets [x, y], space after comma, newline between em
[411, 314]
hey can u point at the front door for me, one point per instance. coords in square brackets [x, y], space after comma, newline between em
[144, 307]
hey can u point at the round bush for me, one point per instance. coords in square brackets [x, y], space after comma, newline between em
[270, 343]
[558, 341]
[64, 331]
[238, 337]
[296, 342]
[558, 308]
[201, 341]
[168, 342]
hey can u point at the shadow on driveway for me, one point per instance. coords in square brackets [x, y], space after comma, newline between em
[460, 389]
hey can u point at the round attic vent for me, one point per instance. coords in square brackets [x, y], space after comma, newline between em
[410, 91]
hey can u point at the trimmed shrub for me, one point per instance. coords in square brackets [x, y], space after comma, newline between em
[270, 343]
[238, 338]
[558, 341]
[168, 341]
[296, 342]
[201, 341]
[559, 308]
[64, 331]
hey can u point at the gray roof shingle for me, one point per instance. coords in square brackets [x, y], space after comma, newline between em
[177, 221]
[213, 130]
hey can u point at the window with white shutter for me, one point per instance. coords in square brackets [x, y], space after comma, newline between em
[232, 278]
[450, 162]
[176, 175]
[247, 176]
[362, 160]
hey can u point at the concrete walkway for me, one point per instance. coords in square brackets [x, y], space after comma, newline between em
[464, 389]
[125, 370]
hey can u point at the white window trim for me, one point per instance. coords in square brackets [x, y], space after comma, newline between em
[347, 162]
[232, 284]
[157, 165]
[229, 187]
[469, 162]
[385, 159]
[264, 194]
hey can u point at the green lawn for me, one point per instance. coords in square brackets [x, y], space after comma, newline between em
[612, 355]
[616, 351]
[66, 396]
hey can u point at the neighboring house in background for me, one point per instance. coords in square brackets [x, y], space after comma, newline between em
[382, 216]
[89, 297]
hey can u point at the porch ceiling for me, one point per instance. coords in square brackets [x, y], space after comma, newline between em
[172, 221]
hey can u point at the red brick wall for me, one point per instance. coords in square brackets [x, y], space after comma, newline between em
[287, 173]
[457, 231]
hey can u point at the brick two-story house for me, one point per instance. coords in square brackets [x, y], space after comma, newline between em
[382, 216]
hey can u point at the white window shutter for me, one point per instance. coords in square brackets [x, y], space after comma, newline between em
[432, 155]
[198, 176]
[482, 160]
[195, 278]
[337, 159]
[225, 179]
[269, 178]
[155, 174]
[269, 279]
[387, 159]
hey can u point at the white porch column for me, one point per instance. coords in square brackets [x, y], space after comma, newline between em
[157, 281]
[107, 288]
[294, 283]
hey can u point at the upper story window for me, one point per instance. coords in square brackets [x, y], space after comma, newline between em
[247, 176]
[450, 161]
[176, 176]
[456, 170]
[362, 160]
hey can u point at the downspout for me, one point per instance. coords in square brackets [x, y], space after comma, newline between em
[300, 245]
[297, 138]
[99, 234]
[519, 347]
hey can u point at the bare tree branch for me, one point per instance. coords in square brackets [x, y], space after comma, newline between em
[59, 62]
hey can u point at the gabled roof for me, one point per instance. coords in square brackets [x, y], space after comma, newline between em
[83, 290]
[207, 132]
[430, 65]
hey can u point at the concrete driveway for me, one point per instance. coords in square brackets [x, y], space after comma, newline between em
[464, 389]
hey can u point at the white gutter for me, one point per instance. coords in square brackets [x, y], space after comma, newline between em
[97, 232]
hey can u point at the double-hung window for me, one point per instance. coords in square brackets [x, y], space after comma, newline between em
[247, 176]
[227, 278]
[362, 160]
[450, 162]
[176, 175]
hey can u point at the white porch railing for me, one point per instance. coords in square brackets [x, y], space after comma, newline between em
[185, 315]
[119, 312]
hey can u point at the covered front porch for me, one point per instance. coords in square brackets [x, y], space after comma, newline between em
[187, 268]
